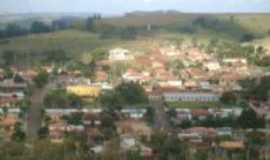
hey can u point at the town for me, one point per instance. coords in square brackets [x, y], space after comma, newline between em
[178, 91]
[144, 85]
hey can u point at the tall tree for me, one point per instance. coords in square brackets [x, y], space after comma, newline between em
[249, 119]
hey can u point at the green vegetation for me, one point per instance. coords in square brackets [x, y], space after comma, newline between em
[249, 119]
[59, 98]
[125, 94]
[167, 147]
[193, 105]
[41, 79]
[254, 90]
[84, 38]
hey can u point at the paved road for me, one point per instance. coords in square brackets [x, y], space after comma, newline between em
[34, 120]
[161, 119]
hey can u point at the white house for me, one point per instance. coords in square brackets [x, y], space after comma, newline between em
[171, 83]
[235, 60]
[134, 113]
[191, 96]
[212, 66]
[120, 54]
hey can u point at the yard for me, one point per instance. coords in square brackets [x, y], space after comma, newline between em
[193, 105]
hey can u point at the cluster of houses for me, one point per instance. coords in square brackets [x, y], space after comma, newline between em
[224, 143]
[187, 114]
[12, 95]
[183, 68]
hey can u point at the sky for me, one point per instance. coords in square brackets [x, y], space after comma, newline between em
[123, 6]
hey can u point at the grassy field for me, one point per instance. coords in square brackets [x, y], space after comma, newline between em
[252, 22]
[72, 41]
[193, 105]
[81, 43]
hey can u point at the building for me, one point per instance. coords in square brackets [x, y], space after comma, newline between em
[120, 54]
[212, 66]
[235, 61]
[84, 90]
[171, 83]
[191, 96]
[134, 113]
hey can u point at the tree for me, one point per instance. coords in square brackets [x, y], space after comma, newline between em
[18, 78]
[13, 29]
[61, 99]
[150, 115]
[131, 93]
[18, 134]
[43, 132]
[247, 37]
[108, 127]
[41, 79]
[134, 155]
[124, 94]
[129, 33]
[167, 147]
[228, 98]
[249, 119]
[74, 119]
[39, 27]
[90, 23]
[8, 73]
[9, 57]
[56, 56]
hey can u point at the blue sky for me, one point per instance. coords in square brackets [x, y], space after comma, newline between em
[122, 6]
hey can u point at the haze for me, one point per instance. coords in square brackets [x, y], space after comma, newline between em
[122, 6]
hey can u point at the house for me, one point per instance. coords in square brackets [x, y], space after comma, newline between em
[183, 115]
[134, 113]
[205, 85]
[133, 127]
[134, 76]
[101, 76]
[191, 84]
[91, 119]
[191, 96]
[233, 61]
[212, 66]
[84, 90]
[195, 73]
[197, 134]
[231, 149]
[171, 83]
[57, 131]
[9, 85]
[196, 55]
[8, 121]
[170, 51]
[97, 149]
[201, 114]
[226, 112]
[128, 142]
[120, 54]
[224, 131]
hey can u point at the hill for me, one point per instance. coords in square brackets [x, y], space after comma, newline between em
[252, 22]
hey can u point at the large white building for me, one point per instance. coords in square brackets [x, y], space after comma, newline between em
[120, 54]
[191, 96]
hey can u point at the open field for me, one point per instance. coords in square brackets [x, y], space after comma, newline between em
[252, 22]
[72, 41]
[80, 44]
